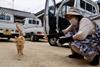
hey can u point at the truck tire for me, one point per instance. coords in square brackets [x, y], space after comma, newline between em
[8, 38]
[52, 41]
[32, 37]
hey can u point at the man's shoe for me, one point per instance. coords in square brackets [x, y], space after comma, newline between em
[95, 60]
[60, 34]
[76, 56]
[61, 41]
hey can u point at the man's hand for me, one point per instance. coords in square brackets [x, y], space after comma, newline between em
[79, 36]
[60, 34]
[65, 40]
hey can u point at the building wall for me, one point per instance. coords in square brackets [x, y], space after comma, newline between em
[18, 15]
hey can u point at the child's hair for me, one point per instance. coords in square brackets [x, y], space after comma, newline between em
[19, 30]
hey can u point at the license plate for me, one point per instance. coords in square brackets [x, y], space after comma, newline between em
[7, 32]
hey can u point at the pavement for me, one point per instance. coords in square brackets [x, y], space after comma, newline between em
[38, 54]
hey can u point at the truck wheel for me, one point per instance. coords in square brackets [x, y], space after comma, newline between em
[52, 41]
[36, 39]
[8, 38]
[32, 37]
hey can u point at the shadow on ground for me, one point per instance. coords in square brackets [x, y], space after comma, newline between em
[5, 40]
[40, 40]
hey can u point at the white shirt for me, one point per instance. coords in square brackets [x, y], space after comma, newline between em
[85, 28]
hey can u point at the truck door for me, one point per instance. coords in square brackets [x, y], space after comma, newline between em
[53, 21]
[50, 21]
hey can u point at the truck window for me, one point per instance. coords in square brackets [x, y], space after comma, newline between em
[37, 22]
[51, 7]
[4, 17]
[32, 22]
[87, 6]
[7, 17]
[70, 3]
[94, 11]
[82, 4]
[63, 10]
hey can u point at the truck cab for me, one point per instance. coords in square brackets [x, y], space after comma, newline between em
[33, 29]
[7, 26]
[54, 18]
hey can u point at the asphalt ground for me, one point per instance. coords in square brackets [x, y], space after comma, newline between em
[37, 54]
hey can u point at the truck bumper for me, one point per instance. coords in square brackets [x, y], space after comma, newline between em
[8, 36]
[39, 36]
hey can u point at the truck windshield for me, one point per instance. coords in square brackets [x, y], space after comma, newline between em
[70, 3]
[65, 7]
[4, 17]
[51, 7]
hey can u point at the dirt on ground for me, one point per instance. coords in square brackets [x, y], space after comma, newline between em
[38, 54]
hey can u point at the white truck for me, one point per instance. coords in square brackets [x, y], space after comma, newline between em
[33, 29]
[7, 26]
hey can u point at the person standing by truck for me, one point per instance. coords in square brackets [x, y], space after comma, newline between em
[85, 37]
